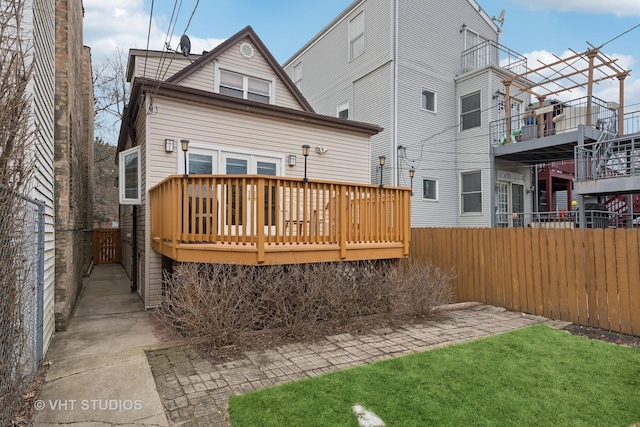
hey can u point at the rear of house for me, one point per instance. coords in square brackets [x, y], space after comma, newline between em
[244, 191]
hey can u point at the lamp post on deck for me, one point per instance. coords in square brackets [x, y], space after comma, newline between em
[412, 173]
[305, 153]
[381, 160]
[185, 148]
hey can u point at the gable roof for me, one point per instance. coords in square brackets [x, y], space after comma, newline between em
[247, 32]
[191, 95]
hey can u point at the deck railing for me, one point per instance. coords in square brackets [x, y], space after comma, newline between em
[263, 213]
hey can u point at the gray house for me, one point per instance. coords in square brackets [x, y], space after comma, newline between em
[453, 103]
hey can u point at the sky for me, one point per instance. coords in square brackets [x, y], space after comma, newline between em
[537, 30]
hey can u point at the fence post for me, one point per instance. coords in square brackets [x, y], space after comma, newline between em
[40, 290]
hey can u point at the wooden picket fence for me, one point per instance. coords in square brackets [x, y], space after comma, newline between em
[106, 245]
[590, 277]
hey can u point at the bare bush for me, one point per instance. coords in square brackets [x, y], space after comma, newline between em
[421, 288]
[219, 302]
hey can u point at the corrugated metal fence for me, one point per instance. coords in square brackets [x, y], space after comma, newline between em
[21, 296]
[589, 277]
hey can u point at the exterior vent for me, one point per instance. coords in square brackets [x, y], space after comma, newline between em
[246, 50]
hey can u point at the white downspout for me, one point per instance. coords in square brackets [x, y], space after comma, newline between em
[395, 96]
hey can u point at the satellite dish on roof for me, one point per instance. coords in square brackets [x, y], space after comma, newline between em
[185, 45]
[499, 19]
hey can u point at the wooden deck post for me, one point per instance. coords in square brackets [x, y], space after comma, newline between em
[259, 225]
[342, 218]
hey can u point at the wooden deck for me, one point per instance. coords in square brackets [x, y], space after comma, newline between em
[261, 219]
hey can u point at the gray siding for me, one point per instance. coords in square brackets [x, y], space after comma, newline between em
[429, 48]
[375, 106]
[41, 20]
[328, 75]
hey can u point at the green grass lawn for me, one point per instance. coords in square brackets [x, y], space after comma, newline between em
[537, 376]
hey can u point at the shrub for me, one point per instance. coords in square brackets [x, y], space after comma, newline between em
[218, 302]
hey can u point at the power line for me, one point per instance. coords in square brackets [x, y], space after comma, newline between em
[144, 73]
[190, 17]
[620, 35]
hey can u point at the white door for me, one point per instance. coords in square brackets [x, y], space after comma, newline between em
[239, 197]
[509, 204]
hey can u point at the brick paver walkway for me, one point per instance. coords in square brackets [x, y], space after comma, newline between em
[195, 391]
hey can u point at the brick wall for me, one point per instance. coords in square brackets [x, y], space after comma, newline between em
[73, 158]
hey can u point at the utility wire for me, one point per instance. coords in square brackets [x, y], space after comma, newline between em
[191, 17]
[144, 73]
[620, 35]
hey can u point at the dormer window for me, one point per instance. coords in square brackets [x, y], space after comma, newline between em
[243, 86]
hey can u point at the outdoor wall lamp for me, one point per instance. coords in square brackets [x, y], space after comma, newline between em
[381, 160]
[292, 160]
[464, 27]
[168, 145]
[185, 148]
[412, 173]
[305, 153]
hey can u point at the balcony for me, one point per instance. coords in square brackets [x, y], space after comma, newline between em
[492, 53]
[551, 132]
[609, 167]
[261, 220]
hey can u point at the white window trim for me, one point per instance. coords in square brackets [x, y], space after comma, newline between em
[482, 192]
[349, 39]
[460, 111]
[435, 100]
[297, 81]
[266, 77]
[121, 177]
[437, 198]
[342, 107]
[223, 151]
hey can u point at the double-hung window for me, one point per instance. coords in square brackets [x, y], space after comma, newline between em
[470, 113]
[243, 86]
[356, 36]
[471, 194]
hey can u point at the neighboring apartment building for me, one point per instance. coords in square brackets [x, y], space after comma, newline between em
[400, 65]
[73, 158]
[61, 112]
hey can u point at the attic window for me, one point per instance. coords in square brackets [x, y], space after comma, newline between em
[246, 50]
[246, 87]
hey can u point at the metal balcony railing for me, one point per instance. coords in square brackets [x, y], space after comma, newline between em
[617, 158]
[492, 53]
[561, 117]
[558, 219]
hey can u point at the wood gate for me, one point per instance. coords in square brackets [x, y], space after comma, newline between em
[106, 245]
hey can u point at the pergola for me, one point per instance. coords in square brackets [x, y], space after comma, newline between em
[576, 71]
